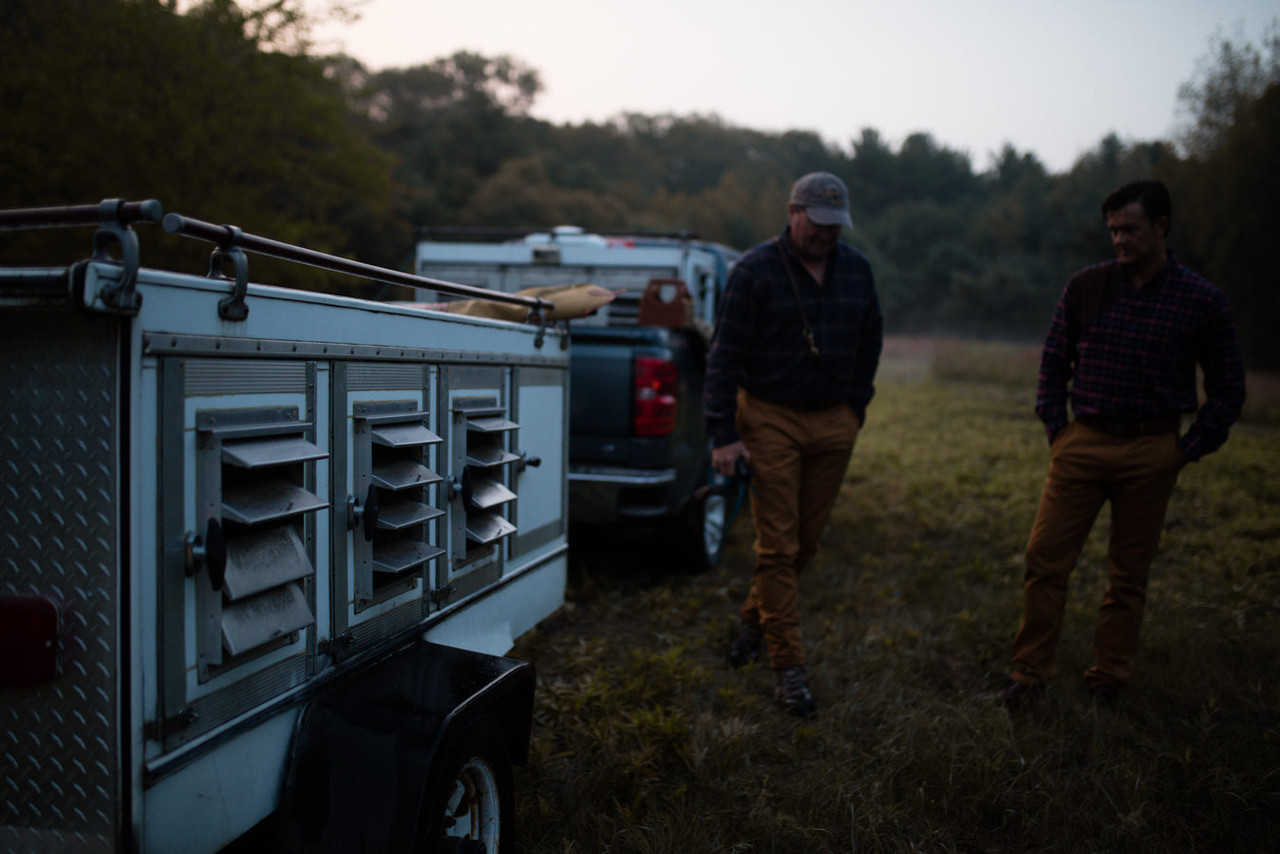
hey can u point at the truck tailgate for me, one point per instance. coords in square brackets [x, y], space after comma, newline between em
[600, 401]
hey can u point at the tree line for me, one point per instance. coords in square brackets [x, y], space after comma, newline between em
[225, 111]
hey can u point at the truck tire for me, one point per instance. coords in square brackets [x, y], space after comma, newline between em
[704, 524]
[470, 805]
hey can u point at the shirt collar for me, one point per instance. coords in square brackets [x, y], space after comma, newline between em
[1170, 262]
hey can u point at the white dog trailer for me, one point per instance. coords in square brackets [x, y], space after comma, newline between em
[262, 551]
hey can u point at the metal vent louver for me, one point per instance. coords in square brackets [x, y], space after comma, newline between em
[393, 477]
[484, 490]
[254, 471]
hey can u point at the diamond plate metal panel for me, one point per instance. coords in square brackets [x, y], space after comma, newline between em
[58, 483]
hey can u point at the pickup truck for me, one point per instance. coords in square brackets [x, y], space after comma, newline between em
[638, 450]
[265, 551]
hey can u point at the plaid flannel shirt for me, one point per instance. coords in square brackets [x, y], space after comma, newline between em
[759, 341]
[1137, 359]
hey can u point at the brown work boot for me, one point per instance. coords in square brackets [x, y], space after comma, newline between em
[791, 692]
[744, 642]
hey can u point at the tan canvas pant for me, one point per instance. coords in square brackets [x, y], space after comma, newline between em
[1137, 476]
[799, 459]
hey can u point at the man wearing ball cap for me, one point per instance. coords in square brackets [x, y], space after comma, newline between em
[789, 377]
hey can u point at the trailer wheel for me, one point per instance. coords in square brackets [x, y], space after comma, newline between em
[470, 806]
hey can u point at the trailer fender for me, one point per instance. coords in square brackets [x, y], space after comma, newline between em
[369, 753]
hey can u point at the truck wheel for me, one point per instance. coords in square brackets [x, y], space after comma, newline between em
[470, 806]
[704, 527]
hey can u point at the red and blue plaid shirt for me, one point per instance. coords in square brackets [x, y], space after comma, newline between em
[1133, 356]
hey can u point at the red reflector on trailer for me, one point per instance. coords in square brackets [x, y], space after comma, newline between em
[28, 641]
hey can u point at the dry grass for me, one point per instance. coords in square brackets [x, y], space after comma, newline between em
[1015, 365]
[647, 742]
[1262, 406]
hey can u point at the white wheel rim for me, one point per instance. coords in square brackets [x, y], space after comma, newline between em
[713, 518]
[473, 809]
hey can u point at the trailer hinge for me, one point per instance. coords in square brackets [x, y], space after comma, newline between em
[163, 729]
[440, 594]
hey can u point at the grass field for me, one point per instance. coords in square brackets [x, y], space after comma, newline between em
[646, 741]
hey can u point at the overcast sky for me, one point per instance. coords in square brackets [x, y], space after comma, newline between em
[1051, 78]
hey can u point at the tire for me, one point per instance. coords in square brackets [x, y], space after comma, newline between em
[704, 525]
[470, 806]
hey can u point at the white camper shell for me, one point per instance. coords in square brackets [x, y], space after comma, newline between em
[262, 551]
[623, 263]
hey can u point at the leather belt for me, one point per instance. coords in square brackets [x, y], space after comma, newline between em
[1132, 428]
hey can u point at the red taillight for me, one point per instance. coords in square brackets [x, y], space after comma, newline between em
[656, 389]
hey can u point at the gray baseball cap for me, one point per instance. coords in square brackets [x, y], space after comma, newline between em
[824, 198]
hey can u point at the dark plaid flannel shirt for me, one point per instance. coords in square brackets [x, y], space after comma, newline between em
[1137, 359]
[759, 342]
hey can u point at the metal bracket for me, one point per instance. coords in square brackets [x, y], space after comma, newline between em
[120, 296]
[161, 730]
[440, 594]
[539, 317]
[232, 307]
